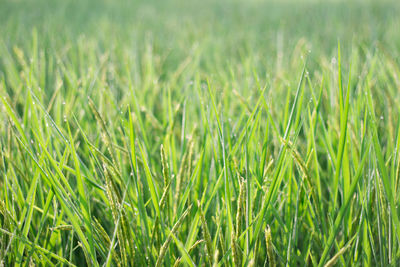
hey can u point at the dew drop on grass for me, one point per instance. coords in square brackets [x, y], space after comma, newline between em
[31, 141]
[381, 117]
[63, 102]
[65, 118]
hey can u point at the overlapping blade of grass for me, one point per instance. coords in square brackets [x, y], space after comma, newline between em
[275, 180]
[344, 105]
[66, 204]
[92, 190]
[27, 213]
[139, 195]
[150, 183]
[387, 182]
[174, 229]
[13, 118]
[44, 252]
[83, 197]
[344, 208]
[225, 166]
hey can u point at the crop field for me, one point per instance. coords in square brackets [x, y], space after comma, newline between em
[199, 133]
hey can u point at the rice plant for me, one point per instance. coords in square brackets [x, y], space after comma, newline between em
[199, 133]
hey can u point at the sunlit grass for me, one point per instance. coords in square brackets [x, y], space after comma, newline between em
[199, 134]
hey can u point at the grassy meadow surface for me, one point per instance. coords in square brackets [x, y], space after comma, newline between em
[199, 133]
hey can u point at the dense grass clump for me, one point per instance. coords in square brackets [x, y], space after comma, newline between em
[185, 133]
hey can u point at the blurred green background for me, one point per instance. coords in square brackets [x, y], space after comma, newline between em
[263, 28]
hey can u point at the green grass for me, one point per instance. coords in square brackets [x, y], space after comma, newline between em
[199, 133]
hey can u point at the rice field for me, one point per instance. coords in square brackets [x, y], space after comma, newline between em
[199, 133]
